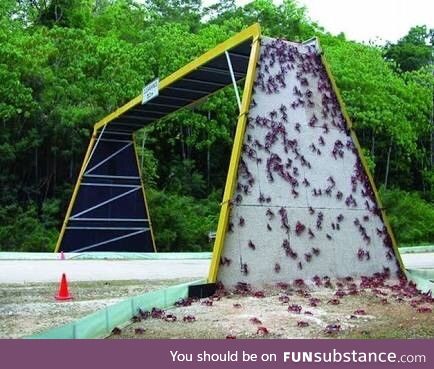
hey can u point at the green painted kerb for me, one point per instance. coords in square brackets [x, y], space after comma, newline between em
[106, 256]
[101, 323]
[416, 249]
[423, 278]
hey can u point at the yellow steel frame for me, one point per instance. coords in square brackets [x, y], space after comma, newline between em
[253, 32]
[362, 159]
[75, 192]
[77, 186]
[250, 32]
[234, 162]
[143, 191]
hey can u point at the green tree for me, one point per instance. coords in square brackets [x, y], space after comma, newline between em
[413, 51]
[391, 113]
[410, 216]
[64, 64]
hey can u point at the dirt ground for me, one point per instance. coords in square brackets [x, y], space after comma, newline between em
[30, 308]
[366, 313]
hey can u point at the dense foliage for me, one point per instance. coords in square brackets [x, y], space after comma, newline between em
[64, 64]
[416, 226]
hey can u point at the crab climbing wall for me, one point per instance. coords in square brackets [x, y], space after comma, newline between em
[303, 206]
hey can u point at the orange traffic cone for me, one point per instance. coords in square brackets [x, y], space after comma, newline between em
[63, 293]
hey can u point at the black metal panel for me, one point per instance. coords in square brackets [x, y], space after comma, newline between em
[120, 152]
[202, 82]
[196, 85]
[193, 95]
[91, 196]
[101, 179]
[200, 74]
[80, 239]
[113, 127]
[242, 49]
[150, 112]
[202, 290]
[109, 213]
[112, 135]
[94, 222]
[99, 217]
[129, 125]
[238, 65]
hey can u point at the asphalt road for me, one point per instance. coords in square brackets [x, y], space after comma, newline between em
[22, 271]
[423, 260]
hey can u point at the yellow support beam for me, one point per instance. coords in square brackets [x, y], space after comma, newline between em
[76, 188]
[143, 192]
[234, 162]
[362, 159]
[250, 32]
[253, 32]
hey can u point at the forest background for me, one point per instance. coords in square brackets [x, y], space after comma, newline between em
[64, 64]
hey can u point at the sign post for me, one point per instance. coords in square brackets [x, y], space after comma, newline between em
[150, 91]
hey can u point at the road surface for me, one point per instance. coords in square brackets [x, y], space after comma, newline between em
[423, 260]
[41, 271]
[23, 271]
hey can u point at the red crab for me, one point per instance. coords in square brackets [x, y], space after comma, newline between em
[299, 228]
[317, 280]
[255, 320]
[189, 318]
[170, 318]
[294, 308]
[243, 288]
[157, 313]
[315, 251]
[340, 293]
[183, 302]
[282, 285]
[332, 328]
[259, 294]
[144, 314]
[299, 283]
[302, 324]
[262, 331]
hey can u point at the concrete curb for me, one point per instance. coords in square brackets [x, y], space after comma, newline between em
[416, 249]
[106, 256]
[101, 323]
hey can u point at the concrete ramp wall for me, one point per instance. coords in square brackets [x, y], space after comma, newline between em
[304, 206]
